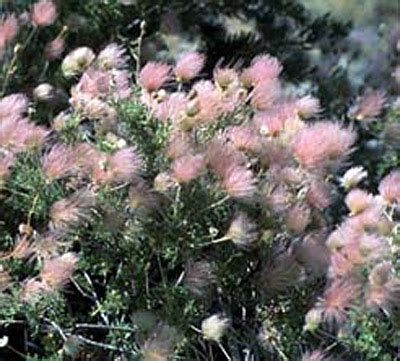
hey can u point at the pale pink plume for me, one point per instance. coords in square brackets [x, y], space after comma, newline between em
[239, 182]
[32, 289]
[298, 218]
[154, 75]
[55, 48]
[94, 83]
[369, 106]
[338, 298]
[389, 187]
[308, 106]
[73, 211]
[117, 168]
[225, 77]
[13, 105]
[121, 85]
[178, 145]
[272, 122]
[222, 156]
[44, 13]
[8, 29]
[319, 194]
[173, 108]
[383, 289]
[189, 66]
[57, 271]
[262, 68]
[113, 56]
[320, 144]
[358, 200]
[59, 162]
[265, 94]
[243, 232]
[244, 138]
[188, 167]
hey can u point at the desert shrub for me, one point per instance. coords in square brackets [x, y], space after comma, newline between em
[189, 216]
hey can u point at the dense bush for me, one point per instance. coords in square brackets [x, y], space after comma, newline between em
[166, 212]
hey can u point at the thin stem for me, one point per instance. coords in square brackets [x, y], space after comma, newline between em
[100, 344]
[224, 351]
[216, 204]
[215, 241]
[104, 327]
[96, 299]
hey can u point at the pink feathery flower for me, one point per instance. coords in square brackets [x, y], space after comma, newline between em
[72, 211]
[49, 245]
[7, 161]
[225, 77]
[244, 138]
[207, 106]
[121, 86]
[189, 66]
[59, 162]
[383, 288]
[173, 108]
[222, 157]
[279, 198]
[389, 187]
[340, 265]
[55, 48]
[154, 75]
[373, 247]
[113, 56]
[272, 122]
[274, 154]
[57, 271]
[94, 83]
[368, 220]
[188, 167]
[20, 135]
[13, 105]
[298, 218]
[117, 168]
[32, 289]
[308, 106]
[35, 136]
[319, 194]
[262, 68]
[318, 144]
[178, 145]
[343, 235]
[85, 157]
[265, 94]
[242, 231]
[8, 29]
[44, 13]
[358, 200]
[369, 106]
[337, 300]
[239, 182]
[8, 130]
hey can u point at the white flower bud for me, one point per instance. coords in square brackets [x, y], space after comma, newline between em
[353, 176]
[214, 327]
[77, 61]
